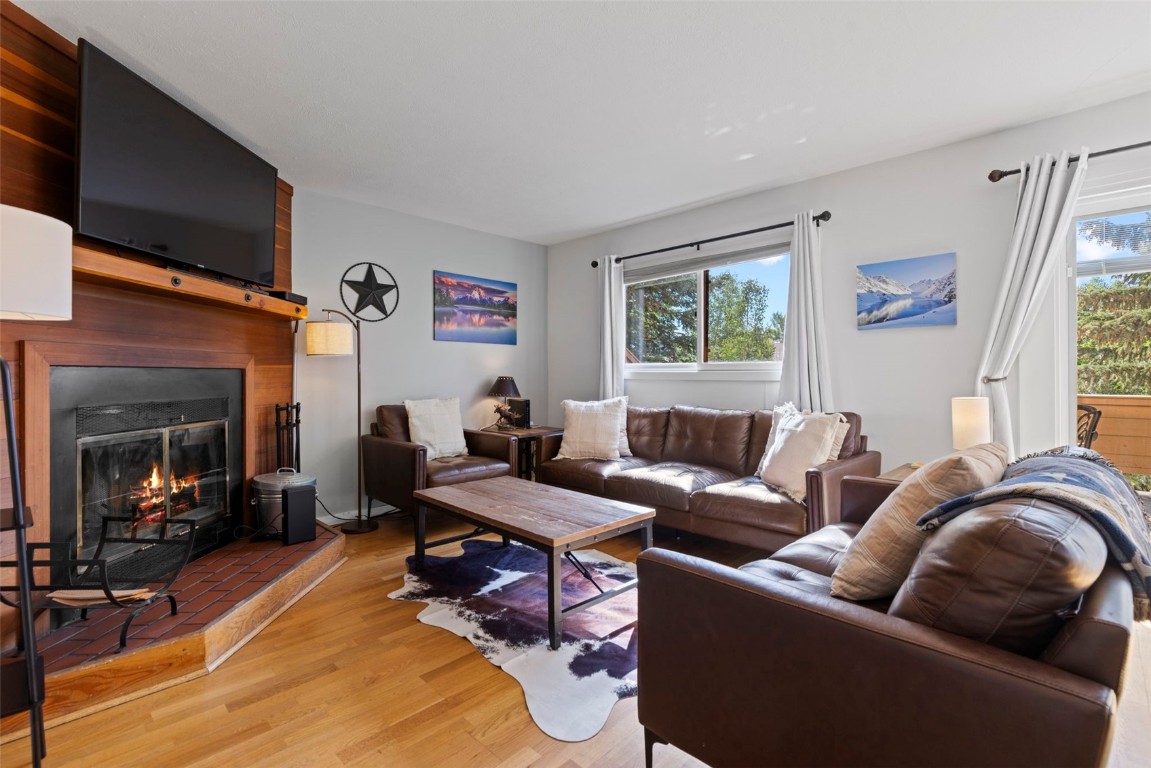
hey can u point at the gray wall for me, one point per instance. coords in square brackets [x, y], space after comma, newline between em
[900, 380]
[399, 358]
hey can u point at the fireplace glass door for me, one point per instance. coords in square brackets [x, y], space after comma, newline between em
[147, 476]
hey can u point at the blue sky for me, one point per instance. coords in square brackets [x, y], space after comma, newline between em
[908, 271]
[772, 272]
[1090, 250]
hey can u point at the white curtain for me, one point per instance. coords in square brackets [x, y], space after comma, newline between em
[611, 328]
[1044, 207]
[806, 377]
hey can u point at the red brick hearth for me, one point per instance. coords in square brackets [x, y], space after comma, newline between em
[224, 598]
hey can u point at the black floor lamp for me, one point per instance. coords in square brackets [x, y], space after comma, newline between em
[327, 337]
[35, 284]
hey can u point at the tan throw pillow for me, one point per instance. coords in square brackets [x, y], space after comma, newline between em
[879, 558]
[802, 441]
[436, 425]
[840, 436]
[592, 429]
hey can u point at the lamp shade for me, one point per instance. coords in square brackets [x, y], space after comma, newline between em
[504, 386]
[35, 266]
[325, 337]
[970, 421]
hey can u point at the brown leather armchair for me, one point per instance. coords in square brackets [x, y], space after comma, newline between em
[395, 467]
[761, 666]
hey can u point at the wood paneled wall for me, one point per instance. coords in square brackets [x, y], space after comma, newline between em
[1124, 430]
[38, 77]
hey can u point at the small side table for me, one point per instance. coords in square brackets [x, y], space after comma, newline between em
[529, 442]
[901, 472]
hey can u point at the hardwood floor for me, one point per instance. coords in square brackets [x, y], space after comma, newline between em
[347, 677]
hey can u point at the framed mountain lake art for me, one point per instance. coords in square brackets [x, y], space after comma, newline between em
[906, 292]
[475, 309]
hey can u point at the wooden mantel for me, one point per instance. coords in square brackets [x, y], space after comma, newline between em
[95, 266]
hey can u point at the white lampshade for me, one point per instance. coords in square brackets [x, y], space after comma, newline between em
[970, 421]
[325, 337]
[35, 266]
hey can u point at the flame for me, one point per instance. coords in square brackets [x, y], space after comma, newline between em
[148, 498]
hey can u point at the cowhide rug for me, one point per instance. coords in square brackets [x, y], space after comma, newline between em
[496, 597]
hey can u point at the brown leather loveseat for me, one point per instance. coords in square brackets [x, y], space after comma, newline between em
[763, 666]
[696, 467]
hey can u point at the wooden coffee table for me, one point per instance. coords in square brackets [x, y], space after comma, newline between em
[553, 520]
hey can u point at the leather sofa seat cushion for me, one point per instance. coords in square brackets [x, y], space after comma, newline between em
[797, 576]
[821, 550]
[450, 470]
[748, 501]
[667, 484]
[646, 431]
[709, 437]
[1003, 574]
[586, 475]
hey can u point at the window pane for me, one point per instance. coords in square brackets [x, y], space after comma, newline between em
[661, 320]
[746, 306]
[1113, 259]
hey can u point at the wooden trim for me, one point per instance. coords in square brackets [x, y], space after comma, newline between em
[38, 359]
[37, 28]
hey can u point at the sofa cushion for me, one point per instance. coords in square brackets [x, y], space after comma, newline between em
[1003, 573]
[747, 501]
[595, 429]
[666, 484]
[449, 470]
[880, 557]
[819, 551]
[392, 423]
[798, 577]
[647, 430]
[801, 441]
[708, 437]
[436, 424]
[586, 475]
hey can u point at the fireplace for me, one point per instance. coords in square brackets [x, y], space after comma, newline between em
[146, 463]
[146, 445]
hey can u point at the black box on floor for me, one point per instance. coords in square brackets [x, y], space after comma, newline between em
[299, 519]
[521, 412]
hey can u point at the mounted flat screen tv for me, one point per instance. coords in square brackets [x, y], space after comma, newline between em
[153, 176]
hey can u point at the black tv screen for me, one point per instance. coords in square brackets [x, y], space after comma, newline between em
[153, 176]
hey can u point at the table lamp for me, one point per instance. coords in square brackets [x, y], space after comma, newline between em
[503, 388]
[970, 422]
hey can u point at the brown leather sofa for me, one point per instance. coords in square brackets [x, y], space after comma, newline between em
[395, 467]
[696, 467]
[761, 666]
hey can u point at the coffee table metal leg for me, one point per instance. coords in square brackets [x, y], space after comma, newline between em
[555, 600]
[421, 532]
[645, 536]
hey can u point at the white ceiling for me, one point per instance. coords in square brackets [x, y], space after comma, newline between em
[546, 121]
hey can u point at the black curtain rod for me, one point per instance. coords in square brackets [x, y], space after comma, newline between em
[825, 216]
[996, 175]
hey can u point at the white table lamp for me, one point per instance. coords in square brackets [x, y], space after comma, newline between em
[970, 421]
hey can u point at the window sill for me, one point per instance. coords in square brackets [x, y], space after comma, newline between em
[772, 373]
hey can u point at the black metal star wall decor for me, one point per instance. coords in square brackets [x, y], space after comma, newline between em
[370, 298]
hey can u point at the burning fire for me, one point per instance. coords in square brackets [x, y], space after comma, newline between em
[148, 499]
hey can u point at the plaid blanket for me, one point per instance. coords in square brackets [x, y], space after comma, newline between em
[1084, 482]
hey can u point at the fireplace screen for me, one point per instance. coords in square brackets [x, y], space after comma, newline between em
[177, 472]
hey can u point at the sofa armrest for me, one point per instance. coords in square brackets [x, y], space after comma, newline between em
[737, 669]
[823, 486]
[494, 445]
[860, 496]
[393, 469]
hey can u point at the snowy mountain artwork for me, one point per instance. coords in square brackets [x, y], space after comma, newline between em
[906, 292]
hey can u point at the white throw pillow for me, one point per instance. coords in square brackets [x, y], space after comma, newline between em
[436, 424]
[593, 430]
[802, 440]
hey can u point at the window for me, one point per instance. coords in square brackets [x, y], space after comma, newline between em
[728, 311]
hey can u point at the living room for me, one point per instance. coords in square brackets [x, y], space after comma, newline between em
[910, 193]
